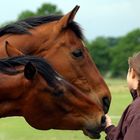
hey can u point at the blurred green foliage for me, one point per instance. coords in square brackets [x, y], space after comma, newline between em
[126, 47]
[100, 52]
[111, 54]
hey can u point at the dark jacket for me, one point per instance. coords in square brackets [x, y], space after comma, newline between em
[129, 125]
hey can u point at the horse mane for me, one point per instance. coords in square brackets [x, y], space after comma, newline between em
[23, 26]
[7, 66]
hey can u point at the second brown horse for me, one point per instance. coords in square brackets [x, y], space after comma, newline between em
[44, 98]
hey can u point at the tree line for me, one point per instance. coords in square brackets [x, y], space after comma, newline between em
[109, 53]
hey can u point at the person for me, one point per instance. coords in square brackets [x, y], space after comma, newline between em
[129, 124]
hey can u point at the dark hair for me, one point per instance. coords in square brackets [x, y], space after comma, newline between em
[134, 62]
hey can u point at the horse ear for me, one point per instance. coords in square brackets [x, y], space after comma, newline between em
[11, 50]
[30, 71]
[68, 18]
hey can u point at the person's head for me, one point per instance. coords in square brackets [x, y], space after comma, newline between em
[133, 76]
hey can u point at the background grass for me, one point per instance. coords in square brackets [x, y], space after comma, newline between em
[16, 128]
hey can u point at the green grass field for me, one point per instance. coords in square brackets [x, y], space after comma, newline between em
[17, 129]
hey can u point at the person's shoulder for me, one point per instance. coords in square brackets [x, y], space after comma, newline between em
[136, 102]
[135, 105]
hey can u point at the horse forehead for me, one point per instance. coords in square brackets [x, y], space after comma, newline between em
[70, 38]
[65, 36]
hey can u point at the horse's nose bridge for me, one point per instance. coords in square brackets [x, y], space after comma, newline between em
[91, 97]
[95, 98]
[105, 98]
[86, 98]
[99, 86]
[98, 93]
[101, 90]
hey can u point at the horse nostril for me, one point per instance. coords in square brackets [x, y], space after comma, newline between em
[103, 121]
[106, 104]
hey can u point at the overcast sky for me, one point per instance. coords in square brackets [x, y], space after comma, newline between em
[97, 17]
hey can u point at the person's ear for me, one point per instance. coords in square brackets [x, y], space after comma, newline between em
[133, 73]
[30, 71]
[135, 79]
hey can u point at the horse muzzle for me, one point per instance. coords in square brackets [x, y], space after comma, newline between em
[94, 132]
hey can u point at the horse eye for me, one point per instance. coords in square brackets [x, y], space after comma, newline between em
[77, 53]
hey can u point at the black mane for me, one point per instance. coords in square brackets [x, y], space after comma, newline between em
[7, 66]
[23, 26]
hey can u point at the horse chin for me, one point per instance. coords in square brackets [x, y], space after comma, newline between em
[91, 133]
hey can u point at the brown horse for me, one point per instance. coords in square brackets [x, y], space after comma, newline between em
[59, 40]
[44, 98]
